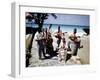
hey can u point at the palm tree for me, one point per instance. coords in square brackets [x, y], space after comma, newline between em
[39, 19]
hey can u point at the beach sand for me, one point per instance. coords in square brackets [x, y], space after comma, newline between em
[83, 53]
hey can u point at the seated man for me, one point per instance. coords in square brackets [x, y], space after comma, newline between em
[74, 43]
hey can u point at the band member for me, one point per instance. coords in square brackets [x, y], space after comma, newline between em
[49, 45]
[50, 29]
[74, 43]
[47, 41]
[58, 35]
[63, 40]
[41, 46]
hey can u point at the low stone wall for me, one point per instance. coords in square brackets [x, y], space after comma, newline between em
[84, 53]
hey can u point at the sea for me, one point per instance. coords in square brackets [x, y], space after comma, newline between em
[64, 27]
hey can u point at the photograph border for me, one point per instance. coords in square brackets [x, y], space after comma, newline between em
[16, 38]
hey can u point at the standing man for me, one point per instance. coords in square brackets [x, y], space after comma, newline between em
[59, 33]
[41, 45]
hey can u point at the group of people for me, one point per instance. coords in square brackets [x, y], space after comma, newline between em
[45, 42]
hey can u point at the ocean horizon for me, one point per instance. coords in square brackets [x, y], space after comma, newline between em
[65, 28]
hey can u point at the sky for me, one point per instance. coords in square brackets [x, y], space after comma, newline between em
[68, 19]
[65, 21]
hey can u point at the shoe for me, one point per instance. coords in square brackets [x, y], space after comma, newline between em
[81, 46]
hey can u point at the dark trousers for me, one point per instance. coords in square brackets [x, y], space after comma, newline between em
[41, 51]
[58, 41]
[41, 48]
